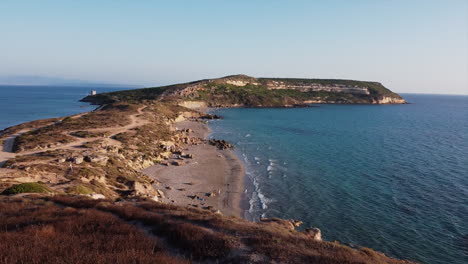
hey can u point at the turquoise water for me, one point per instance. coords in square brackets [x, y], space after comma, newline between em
[390, 177]
[19, 104]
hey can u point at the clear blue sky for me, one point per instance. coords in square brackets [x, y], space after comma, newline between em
[408, 45]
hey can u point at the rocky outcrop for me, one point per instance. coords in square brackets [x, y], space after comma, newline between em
[314, 233]
[193, 104]
[220, 144]
[102, 160]
[141, 189]
[290, 224]
[389, 100]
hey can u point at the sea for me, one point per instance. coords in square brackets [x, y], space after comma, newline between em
[393, 178]
[19, 104]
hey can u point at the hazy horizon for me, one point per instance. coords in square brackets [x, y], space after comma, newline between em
[84, 83]
[417, 47]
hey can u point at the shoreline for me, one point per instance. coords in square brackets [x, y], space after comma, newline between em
[213, 179]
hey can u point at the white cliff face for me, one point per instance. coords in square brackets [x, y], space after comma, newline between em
[240, 83]
[315, 87]
[389, 100]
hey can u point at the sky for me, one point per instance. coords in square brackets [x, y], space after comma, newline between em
[412, 46]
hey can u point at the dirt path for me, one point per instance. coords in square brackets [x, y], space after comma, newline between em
[7, 150]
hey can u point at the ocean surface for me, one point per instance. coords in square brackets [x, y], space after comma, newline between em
[19, 104]
[390, 177]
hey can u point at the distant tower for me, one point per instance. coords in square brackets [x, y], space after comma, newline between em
[93, 92]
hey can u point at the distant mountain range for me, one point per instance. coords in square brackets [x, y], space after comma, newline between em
[54, 81]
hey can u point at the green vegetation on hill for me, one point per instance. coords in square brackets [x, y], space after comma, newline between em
[375, 88]
[219, 92]
[259, 95]
[126, 96]
[29, 187]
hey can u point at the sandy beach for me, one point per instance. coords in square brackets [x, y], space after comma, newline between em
[213, 179]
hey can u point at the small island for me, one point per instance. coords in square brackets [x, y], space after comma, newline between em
[142, 160]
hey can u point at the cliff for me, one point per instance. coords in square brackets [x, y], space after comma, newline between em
[246, 91]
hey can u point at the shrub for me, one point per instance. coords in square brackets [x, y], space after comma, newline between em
[79, 189]
[30, 187]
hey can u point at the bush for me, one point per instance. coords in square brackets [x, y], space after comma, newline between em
[30, 187]
[79, 189]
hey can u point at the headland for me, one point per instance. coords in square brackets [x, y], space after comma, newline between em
[147, 149]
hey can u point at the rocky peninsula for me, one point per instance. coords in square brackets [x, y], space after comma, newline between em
[143, 161]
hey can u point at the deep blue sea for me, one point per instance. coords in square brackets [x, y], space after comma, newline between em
[19, 104]
[390, 177]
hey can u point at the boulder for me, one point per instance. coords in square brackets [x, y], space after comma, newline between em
[97, 159]
[188, 156]
[210, 194]
[160, 194]
[141, 189]
[220, 144]
[97, 196]
[77, 160]
[177, 163]
[288, 224]
[314, 233]
[210, 117]
[296, 223]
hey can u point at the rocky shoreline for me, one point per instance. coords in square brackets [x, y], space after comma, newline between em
[205, 175]
[107, 161]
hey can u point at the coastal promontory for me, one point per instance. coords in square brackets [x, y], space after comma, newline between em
[246, 91]
[138, 181]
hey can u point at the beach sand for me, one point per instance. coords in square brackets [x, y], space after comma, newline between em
[211, 170]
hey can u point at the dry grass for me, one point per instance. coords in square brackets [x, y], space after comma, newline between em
[199, 235]
[28, 125]
[53, 134]
[88, 134]
[37, 231]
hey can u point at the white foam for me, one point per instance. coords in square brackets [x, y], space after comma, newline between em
[248, 135]
[252, 202]
[264, 200]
